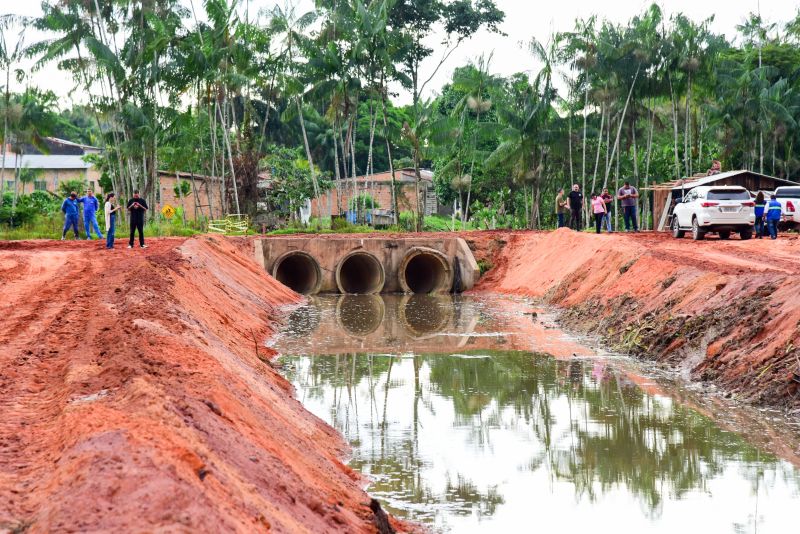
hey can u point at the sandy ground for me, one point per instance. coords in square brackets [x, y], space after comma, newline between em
[133, 398]
[722, 311]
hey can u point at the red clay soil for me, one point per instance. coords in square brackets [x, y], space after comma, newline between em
[133, 398]
[723, 311]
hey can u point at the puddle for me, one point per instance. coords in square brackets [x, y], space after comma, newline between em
[478, 414]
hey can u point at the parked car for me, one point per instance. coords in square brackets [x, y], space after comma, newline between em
[714, 209]
[789, 197]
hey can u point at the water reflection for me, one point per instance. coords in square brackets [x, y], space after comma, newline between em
[487, 440]
[360, 315]
[423, 315]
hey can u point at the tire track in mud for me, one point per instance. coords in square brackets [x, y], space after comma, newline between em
[39, 340]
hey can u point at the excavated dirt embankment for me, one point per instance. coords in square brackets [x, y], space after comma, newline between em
[727, 312]
[136, 396]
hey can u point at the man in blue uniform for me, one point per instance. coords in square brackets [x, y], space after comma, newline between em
[70, 209]
[90, 207]
[773, 217]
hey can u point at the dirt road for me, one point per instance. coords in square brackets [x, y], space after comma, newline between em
[133, 397]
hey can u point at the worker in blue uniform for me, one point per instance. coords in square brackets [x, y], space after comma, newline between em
[773, 216]
[90, 207]
[70, 209]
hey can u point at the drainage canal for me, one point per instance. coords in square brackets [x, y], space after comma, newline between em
[299, 271]
[360, 273]
[463, 428]
[425, 271]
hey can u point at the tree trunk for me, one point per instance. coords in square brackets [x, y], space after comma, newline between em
[5, 134]
[624, 112]
[686, 154]
[395, 213]
[585, 120]
[599, 146]
[308, 154]
[675, 126]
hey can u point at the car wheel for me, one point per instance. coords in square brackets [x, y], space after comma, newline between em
[746, 234]
[697, 233]
[676, 229]
[724, 235]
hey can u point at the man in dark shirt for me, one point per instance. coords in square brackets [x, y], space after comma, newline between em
[628, 197]
[576, 207]
[137, 207]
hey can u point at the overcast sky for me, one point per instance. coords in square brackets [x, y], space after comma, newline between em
[524, 19]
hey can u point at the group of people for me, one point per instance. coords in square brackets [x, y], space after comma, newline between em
[601, 208]
[136, 206]
[768, 215]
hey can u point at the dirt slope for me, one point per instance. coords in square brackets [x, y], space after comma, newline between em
[722, 311]
[133, 398]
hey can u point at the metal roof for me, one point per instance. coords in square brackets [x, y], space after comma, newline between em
[72, 143]
[38, 161]
[705, 180]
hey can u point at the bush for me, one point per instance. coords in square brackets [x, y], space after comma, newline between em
[406, 221]
[67, 186]
[28, 207]
[363, 201]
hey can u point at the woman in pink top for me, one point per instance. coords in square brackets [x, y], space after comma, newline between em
[599, 209]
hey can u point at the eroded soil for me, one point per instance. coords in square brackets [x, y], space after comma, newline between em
[726, 312]
[136, 394]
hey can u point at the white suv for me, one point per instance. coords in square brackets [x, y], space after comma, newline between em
[720, 209]
[789, 197]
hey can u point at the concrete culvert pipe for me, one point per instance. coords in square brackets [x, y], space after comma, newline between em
[360, 273]
[424, 271]
[298, 271]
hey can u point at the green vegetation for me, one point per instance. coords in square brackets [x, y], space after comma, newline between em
[305, 101]
[38, 216]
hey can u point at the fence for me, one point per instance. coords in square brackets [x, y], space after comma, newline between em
[235, 223]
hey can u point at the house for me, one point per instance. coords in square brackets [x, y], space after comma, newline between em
[667, 194]
[203, 200]
[379, 187]
[63, 161]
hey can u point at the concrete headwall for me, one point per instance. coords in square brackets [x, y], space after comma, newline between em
[339, 264]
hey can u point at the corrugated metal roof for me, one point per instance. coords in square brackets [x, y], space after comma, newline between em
[696, 182]
[36, 161]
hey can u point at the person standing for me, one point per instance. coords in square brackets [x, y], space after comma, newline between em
[110, 209]
[90, 207]
[761, 205]
[609, 200]
[137, 207]
[576, 207]
[628, 195]
[561, 208]
[70, 209]
[773, 216]
[599, 210]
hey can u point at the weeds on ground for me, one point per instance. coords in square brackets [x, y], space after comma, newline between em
[51, 226]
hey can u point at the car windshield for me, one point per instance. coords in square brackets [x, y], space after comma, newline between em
[788, 192]
[728, 194]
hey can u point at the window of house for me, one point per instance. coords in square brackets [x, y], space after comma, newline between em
[40, 185]
[91, 186]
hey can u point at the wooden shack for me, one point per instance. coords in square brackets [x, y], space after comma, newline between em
[665, 195]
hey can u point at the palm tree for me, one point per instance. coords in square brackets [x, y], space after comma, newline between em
[8, 58]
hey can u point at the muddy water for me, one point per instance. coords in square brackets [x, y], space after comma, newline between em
[478, 415]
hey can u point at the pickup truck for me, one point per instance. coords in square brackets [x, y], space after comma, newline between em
[789, 197]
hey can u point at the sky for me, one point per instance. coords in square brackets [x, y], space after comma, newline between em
[524, 19]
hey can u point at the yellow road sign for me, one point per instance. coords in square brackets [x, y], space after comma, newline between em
[168, 211]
